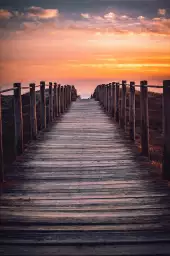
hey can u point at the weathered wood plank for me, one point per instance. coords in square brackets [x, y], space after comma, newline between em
[81, 183]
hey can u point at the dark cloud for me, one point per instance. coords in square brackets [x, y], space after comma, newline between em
[147, 7]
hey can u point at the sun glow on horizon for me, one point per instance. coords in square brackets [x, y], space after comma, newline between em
[44, 44]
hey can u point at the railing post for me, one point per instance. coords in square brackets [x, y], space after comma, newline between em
[109, 97]
[50, 102]
[123, 106]
[59, 100]
[116, 105]
[132, 111]
[33, 114]
[99, 93]
[43, 105]
[113, 99]
[69, 95]
[62, 100]
[104, 96]
[55, 110]
[1, 144]
[166, 125]
[65, 98]
[18, 119]
[106, 104]
[144, 118]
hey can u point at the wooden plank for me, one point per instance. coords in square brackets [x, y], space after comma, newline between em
[160, 249]
[81, 183]
[166, 153]
[18, 119]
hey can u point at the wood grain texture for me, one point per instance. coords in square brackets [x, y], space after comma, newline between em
[80, 189]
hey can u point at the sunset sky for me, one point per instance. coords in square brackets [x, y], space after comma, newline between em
[84, 42]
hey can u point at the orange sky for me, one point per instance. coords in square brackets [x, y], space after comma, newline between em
[86, 52]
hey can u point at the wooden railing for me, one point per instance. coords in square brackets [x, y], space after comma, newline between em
[109, 97]
[53, 101]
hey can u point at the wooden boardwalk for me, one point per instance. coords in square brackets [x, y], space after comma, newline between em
[80, 189]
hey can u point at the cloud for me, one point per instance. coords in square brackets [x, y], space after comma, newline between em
[156, 26]
[98, 18]
[141, 18]
[156, 19]
[110, 16]
[5, 14]
[162, 12]
[85, 15]
[37, 19]
[40, 13]
[124, 17]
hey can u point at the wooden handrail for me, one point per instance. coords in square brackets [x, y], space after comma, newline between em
[119, 113]
[60, 98]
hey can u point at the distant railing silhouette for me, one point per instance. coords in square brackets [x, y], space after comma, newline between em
[51, 103]
[109, 97]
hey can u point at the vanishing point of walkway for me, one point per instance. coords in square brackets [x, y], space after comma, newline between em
[81, 190]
